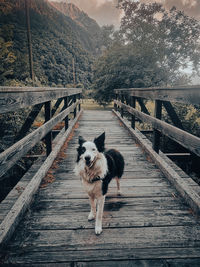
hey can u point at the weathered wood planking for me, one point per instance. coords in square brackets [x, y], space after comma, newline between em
[11, 155]
[187, 140]
[190, 195]
[14, 98]
[184, 94]
[10, 222]
[149, 225]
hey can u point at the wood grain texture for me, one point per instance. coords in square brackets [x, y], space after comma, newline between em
[10, 222]
[190, 195]
[187, 140]
[148, 225]
[14, 98]
[11, 155]
[184, 94]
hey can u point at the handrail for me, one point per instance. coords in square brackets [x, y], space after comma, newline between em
[183, 94]
[28, 96]
[126, 98]
[14, 98]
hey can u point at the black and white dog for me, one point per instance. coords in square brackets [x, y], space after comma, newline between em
[96, 167]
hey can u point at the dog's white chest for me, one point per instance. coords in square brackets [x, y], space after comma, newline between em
[94, 190]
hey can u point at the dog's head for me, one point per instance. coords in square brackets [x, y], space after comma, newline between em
[88, 151]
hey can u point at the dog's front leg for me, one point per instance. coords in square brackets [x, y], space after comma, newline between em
[92, 213]
[98, 223]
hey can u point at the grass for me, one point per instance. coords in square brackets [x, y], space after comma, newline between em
[90, 104]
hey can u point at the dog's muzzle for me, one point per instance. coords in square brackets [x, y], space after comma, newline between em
[88, 160]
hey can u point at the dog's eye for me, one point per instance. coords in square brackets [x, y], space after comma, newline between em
[94, 149]
[83, 150]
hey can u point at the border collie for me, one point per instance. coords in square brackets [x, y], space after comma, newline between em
[97, 167]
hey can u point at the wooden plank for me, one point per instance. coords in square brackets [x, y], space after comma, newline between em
[183, 94]
[187, 140]
[188, 194]
[12, 219]
[111, 219]
[10, 156]
[14, 98]
[126, 238]
[127, 192]
[62, 256]
[116, 206]
[125, 263]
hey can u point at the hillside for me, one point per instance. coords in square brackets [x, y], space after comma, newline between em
[89, 31]
[56, 40]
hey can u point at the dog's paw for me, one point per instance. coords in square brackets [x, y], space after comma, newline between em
[91, 216]
[98, 230]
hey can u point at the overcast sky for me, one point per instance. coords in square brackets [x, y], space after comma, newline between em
[105, 12]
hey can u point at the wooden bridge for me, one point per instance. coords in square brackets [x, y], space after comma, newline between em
[153, 223]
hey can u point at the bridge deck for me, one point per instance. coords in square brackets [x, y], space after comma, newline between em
[149, 225]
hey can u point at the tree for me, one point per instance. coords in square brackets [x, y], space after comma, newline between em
[123, 66]
[149, 50]
[171, 35]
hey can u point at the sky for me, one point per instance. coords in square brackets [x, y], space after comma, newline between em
[106, 13]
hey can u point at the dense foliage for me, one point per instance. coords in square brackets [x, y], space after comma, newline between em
[151, 48]
[56, 41]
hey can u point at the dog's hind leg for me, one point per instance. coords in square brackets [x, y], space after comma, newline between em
[92, 213]
[98, 223]
[118, 185]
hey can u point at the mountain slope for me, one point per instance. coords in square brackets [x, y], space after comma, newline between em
[56, 40]
[89, 30]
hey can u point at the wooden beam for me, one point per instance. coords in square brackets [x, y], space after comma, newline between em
[172, 113]
[12, 219]
[29, 121]
[156, 133]
[190, 196]
[133, 104]
[142, 105]
[12, 99]
[56, 106]
[67, 117]
[48, 137]
[184, 94]
[11, 155]
[187, 140]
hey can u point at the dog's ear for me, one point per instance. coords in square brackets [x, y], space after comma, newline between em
[99, 142]
[81, 140]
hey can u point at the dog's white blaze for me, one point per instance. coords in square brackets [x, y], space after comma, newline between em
[90, 150]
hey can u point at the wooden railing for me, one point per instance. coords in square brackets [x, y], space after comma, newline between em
[14, 98]
[125, 100]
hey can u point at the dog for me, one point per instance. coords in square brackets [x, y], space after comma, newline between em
[97, 167]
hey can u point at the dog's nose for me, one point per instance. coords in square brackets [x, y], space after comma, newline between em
[87, 158]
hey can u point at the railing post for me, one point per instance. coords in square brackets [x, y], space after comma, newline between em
[122, 110]
[74, 98]
[79, 106]
[133, 101]
[115, 105]
[48, 137]
[156, 133]
[67, 117]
